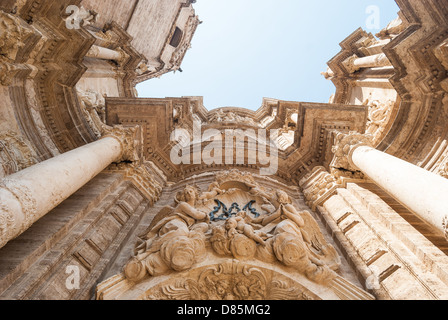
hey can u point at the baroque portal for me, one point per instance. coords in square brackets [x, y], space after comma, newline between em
[110, 196]
[236, 240]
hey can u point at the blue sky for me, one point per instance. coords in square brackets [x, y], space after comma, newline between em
[249, 49]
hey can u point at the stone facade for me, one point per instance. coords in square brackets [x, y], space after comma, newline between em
[107, 196]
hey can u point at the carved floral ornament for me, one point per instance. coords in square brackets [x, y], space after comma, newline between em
[207, 258]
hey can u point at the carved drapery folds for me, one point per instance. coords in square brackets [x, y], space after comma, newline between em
[343, 148]
[186, 240]
[177, 242]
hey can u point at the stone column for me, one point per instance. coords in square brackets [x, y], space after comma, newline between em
[354, 63]
[28, 195]
[107, 54]
[421, 191]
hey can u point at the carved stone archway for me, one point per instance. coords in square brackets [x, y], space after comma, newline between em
[230, 280]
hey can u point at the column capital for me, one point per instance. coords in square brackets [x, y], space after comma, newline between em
[343, 148]
[349, 64]
[129, 139]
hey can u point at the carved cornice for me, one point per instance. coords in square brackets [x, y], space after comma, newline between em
[15, 153]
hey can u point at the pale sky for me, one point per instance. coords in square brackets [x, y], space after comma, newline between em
[249, 49]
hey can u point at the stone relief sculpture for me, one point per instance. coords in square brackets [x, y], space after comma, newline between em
[393, 29]
[15, 154]
[230, 116]
[379, 114]
[13, 35]
[93, 106]
[176, 242]
[269, 230]
[230, 281]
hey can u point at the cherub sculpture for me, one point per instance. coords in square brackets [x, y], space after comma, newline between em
[213, 192]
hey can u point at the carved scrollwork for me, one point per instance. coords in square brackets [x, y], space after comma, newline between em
[15, 154]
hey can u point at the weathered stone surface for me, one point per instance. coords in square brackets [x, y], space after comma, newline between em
[332, 219]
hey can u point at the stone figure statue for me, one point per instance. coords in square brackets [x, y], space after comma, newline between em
[212, 192]
[175, 243]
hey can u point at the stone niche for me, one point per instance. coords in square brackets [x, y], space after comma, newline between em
[237, 240]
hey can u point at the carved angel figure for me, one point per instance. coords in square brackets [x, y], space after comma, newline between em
[297, 240]
[218, 116]
[213, 191]
[175, 243]
[239, 224]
